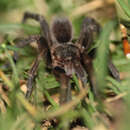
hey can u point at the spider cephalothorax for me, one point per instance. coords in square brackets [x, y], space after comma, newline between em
[63, 56]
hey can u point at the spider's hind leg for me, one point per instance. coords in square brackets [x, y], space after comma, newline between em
[43, 48]
[32, 73]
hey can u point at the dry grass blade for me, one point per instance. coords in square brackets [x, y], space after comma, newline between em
[116, 97]
[6, 80]
[2, 106]
[4, 96]
[29, 107]
[63, 109]
[66, 107]
[90, 7]
[22, 119]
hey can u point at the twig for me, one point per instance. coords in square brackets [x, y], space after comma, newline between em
[91, 6]
[66, 107]
[4, 96]
[28, 106]
[6, 80]
[116, 97]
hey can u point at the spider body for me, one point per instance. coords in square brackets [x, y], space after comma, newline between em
[64, 57]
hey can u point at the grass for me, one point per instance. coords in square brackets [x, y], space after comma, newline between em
[83, 111]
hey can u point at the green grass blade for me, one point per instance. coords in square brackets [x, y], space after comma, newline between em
[15, 74]
[101, 60]
[125, 7]
[29, 29]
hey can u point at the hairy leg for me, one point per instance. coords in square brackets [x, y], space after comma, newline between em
[65, 85]
[32, 74]
[88, 65]
[80, 73]
[91, 76]
[88, 29]
[65, 89]
[43, 48]
[20, 43]
[43, 23]
[113, 71]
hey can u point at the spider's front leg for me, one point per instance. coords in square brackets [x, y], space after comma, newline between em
[80, 73]
[65, 89]
[88, 64]
[88, 30]
[65, 85]
[43, 24]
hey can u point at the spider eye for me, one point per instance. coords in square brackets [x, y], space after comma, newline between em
[62, 29]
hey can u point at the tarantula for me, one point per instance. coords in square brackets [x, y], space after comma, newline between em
[64, 57]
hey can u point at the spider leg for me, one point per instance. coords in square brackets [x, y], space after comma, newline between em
[90, 71]
[32, 74]
[88, 29]
[81, 73]
[65, 89]
[65, 85]
[43, 53]
[43, 48]
[20, 43]
[23, 42]
[70, 69]
[88, 65]
[113, 71]
[43, 23]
